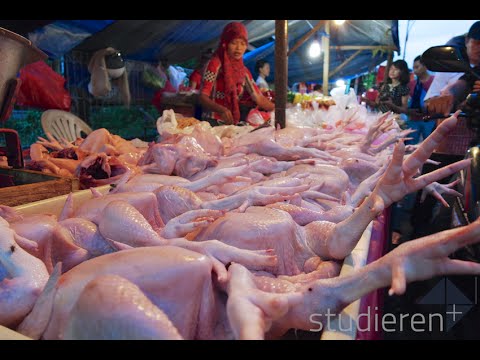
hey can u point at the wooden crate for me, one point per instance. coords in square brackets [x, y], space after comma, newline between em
[33, 186]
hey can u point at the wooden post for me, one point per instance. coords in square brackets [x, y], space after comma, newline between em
[281, 71]
[326, 56]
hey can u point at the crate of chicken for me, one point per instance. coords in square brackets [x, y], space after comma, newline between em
[20, 186]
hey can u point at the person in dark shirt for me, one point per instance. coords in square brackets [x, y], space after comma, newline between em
[430, 215]
[395, 92]
[458, 92]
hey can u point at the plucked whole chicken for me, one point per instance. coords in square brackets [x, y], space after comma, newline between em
[217, 234]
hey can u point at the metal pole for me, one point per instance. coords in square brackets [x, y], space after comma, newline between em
[326, 56]
[281, 71]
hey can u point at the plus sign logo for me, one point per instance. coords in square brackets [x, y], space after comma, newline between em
[456, 304]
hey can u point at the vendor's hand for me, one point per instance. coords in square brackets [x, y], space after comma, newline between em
[227, 116]
[440, 105]
[476, 85]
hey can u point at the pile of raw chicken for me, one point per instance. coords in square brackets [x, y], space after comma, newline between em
[217, 233]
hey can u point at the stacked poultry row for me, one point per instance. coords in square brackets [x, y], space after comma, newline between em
[217, 233]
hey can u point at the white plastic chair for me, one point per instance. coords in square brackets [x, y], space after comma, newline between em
[64, 125]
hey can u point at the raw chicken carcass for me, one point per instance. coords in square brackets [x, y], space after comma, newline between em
[179, 283]
[145, 202]
[22, 278]
[260, 227]
[184, 158]
[295, 302]
[134, 316]
[122, 224]
[176, 280]
[151, 182]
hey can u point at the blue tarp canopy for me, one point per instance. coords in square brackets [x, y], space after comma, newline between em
[179, 41]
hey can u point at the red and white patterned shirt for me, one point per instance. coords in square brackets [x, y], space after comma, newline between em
[213, 85]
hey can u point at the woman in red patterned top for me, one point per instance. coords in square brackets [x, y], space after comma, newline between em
[226, 83]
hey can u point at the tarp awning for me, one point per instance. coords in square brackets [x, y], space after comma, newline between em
[356, 47]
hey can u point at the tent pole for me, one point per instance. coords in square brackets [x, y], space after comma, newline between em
[326, 56]
[281, 71]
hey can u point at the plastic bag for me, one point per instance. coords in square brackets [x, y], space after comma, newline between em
[176, 75]
[42, 88]
[153, 79]
[256, 117]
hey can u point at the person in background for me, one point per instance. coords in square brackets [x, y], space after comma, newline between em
[109, 75]
[430, 215]
[453, 98]
[443, 80]
[317, 90]
[162, 69]
[395, 92]
[415, 113]
[227, 84]
[195, 78]
[402, 210]
[262, 67]
[394, 96]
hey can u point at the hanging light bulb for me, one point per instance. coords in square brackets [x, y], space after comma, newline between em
[338, 22]
[315, 49]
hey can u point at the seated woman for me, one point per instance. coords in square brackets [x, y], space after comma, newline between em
[227, 85]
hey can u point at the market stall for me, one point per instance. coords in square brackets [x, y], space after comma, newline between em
[247, 181]
[220, 232]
